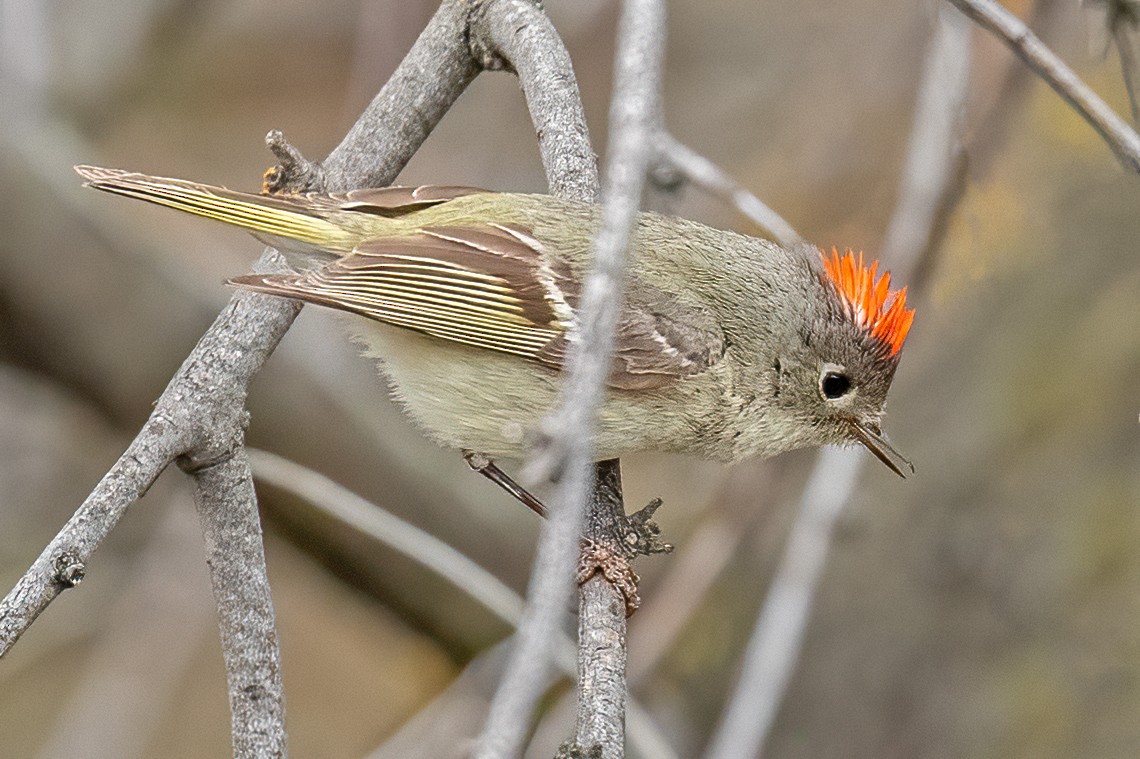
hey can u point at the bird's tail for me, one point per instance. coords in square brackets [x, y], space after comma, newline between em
[269, 218]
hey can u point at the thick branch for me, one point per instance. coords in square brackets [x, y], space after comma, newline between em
[518, 35]
[200, 417]
[227, 511]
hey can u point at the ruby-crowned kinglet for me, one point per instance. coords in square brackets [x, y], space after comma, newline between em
[728, 346]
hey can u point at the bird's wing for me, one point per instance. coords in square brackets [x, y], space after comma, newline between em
[489, 286]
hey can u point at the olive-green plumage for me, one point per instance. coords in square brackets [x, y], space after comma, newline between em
[728, 346]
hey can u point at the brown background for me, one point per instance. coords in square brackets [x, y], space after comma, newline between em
[988, 607]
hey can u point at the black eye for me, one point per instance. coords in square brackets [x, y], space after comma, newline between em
[835, 385]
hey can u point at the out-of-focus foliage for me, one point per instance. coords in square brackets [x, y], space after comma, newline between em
[986, 607]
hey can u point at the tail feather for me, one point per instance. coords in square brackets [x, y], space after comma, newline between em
[275, 217]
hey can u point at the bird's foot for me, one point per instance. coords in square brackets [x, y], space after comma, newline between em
[612, 564]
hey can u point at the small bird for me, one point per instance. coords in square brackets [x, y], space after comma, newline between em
[727, 346]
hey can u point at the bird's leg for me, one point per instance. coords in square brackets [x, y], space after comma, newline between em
[637, 534]
[613, 539]
[489, 469]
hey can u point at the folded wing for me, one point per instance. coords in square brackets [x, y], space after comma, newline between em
[489, 286]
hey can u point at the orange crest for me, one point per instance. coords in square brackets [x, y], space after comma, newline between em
[870, 302]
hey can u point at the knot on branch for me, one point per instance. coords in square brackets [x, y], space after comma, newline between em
[69, 569]
[220, 443]
[293, 173]
[571, 750]
[612, 564]
[483, 52]
[640, 532]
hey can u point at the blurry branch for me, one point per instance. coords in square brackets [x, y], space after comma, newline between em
[774, 648]
[935, 145]
[567, 458]
[995, 19]
[341, 504]
[1124, 25]
[120, 698]
[984, 144]
[200, 418]
[674, 156]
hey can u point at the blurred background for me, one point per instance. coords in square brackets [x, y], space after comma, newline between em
[987, 607]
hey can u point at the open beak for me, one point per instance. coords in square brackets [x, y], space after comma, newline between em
[871, 436]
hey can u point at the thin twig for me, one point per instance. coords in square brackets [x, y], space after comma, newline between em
[992, 17]
[711, 178]
[1124, 35]
[341, 504]
[345, 506]
[777, 639]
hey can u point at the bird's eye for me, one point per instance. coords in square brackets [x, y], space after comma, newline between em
[834, 385]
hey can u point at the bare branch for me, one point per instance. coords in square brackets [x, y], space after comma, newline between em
[1123, 26]
[995, 19]
[777, 639]
[227, 511]
[370, 519]
[568, 456]
[200, 418]
[717, 182]
[199, 414]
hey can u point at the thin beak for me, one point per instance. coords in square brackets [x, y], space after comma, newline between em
[873, 440]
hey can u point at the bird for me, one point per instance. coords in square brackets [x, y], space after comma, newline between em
[727, 346]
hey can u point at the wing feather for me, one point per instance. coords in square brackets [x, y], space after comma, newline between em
[489, 286]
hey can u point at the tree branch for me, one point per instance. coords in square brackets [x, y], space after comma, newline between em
[200, 417]
[227, 512]
[995, 19]
[695, 168]
[567, 455]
